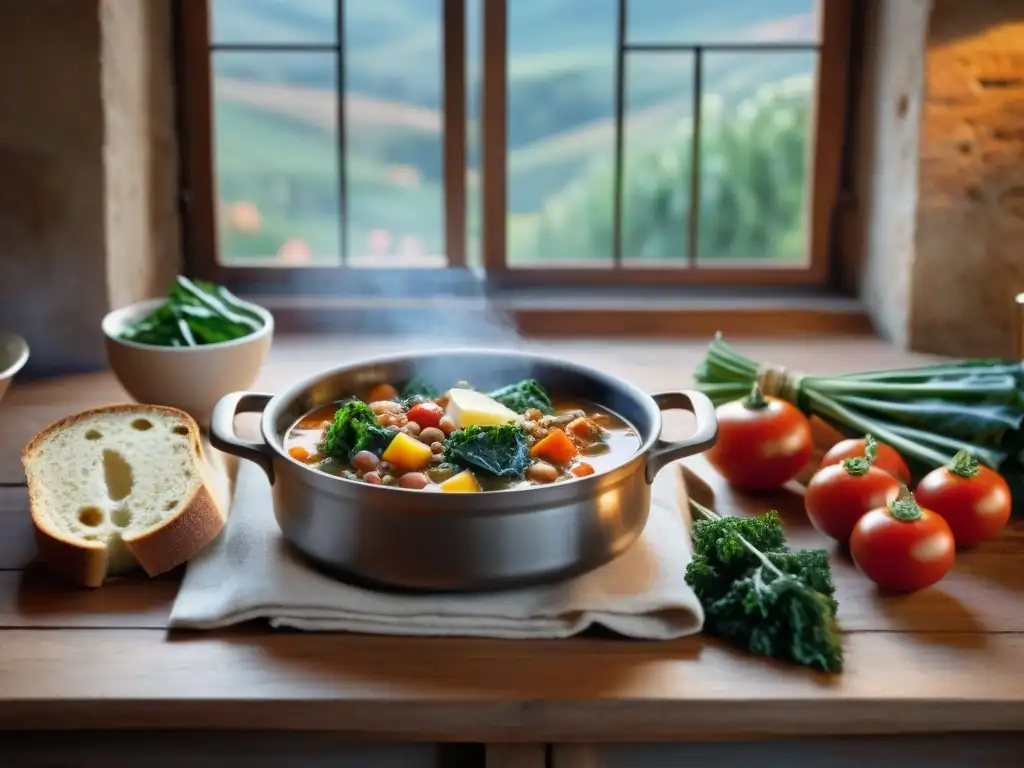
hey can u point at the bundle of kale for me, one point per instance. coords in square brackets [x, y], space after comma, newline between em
[928, 414]
[760, 595]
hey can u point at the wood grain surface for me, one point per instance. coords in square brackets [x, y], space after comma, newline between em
[950, 658]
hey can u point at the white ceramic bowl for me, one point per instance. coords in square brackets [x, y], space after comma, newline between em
[13, 356]
[190, 378]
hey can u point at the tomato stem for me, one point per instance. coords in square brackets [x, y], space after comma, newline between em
[856, 466]
[756, 400]
[904, 508]
[963, 465]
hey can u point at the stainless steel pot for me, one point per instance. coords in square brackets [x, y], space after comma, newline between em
[410, 539]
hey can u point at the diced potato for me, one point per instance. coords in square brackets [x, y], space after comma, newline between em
[467, 407]
[556, 448]
[464, 482]
[407, 453]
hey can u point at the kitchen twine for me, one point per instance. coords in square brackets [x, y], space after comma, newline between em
[779, 381]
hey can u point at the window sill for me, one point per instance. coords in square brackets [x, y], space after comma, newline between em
[612, 313]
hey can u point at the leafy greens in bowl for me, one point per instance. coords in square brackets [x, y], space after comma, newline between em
[189, 349]
[195, 313]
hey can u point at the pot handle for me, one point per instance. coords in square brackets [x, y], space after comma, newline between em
[222, 429]
[665, 452]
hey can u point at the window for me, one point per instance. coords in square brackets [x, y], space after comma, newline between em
[331, 145]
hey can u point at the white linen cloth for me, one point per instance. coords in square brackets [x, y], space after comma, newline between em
[249, 572]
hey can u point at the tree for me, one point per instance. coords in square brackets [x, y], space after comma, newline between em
[753, 189]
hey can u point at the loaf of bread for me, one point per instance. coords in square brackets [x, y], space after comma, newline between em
[118, 488]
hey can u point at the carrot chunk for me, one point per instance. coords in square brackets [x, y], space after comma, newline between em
[585, 430]
[582, 469]
[298, 453]
[318, 418]
[382, 392]
[556, 448]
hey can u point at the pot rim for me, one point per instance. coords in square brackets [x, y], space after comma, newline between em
[14, 363]
[542, 494]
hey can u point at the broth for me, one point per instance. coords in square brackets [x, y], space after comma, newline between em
[461, 440]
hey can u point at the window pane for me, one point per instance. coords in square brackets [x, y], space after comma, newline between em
[273, 21]
[393, 133]
[276, 158]
[756, 131]
[722, 21]
[658, 147]
[561, 131]
[474, 77]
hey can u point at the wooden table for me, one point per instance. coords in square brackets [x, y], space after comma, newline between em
[946, 661]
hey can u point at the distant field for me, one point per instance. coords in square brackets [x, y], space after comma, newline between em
[276, 115]
[320, 106]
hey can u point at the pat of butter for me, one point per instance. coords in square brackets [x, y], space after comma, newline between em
[467, 408]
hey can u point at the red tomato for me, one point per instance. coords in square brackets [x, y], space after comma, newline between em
[886, 457]
[974, 500]
[841, 494]
[903, 547]
[426, 414]
[763, 442]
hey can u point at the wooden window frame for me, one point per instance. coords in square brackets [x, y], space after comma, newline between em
[198, 183]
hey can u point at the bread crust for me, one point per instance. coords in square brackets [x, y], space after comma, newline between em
[83, 562]
[159, 549]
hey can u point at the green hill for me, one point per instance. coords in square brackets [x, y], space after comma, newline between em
[275, 111]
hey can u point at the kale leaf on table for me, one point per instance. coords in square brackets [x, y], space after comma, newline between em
[500, 451]
[762, 596]
[354, 429]
[523, 395]
[779, 617]
[812, 567]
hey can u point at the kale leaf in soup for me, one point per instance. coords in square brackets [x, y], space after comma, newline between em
[524, 395]
[417, 387]
[501, 451]
[355, 428]
[460, 440]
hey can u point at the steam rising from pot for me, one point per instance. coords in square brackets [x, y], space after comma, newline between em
[405, 307]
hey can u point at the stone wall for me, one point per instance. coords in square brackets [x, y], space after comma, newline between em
[52, 230]
[140, 150]
[933, 242]
[87, 169]
[891, 84]
[969, 234]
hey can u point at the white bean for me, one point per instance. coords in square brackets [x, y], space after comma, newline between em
[541, 472]
[431, 435]
[414, 480]
[364, 461]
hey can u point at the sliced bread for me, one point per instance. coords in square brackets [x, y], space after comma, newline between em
[119, 487]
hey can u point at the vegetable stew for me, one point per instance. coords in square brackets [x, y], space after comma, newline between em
[461, 440]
